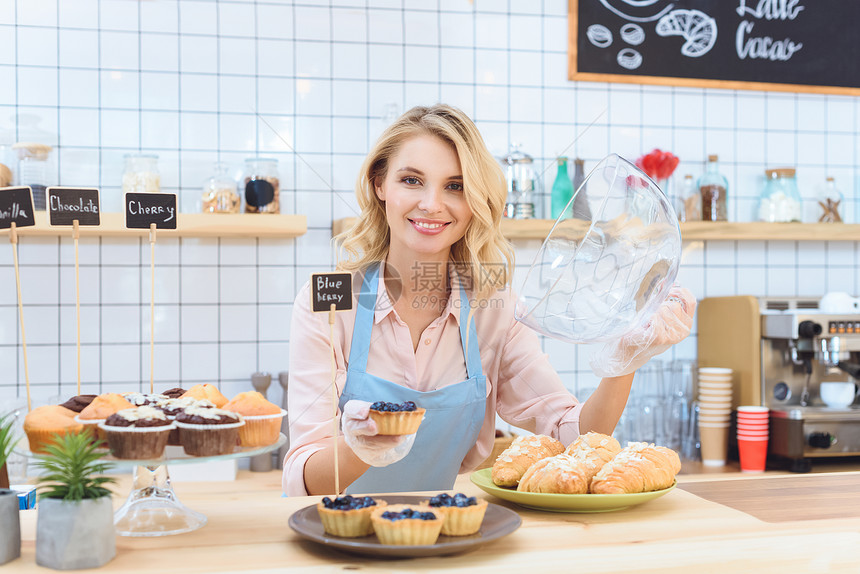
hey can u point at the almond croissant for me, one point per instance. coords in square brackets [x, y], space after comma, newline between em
[560, 474]
[592, 450]
[639, 467]
[523, 452]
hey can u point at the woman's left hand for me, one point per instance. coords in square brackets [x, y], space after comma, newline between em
[670, 324]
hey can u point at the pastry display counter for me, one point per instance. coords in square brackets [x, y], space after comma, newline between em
[725, 522]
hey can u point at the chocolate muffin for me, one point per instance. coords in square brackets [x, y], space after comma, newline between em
[138, 433]
[143, 399]
[208, 431]
[172, 407]
[78, 403]
[173, 393]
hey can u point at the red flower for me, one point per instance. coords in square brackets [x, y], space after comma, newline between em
[658, 164]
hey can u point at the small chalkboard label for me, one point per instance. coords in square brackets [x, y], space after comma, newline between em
[68, 204]
[16, 206]
[144, 209]
[331, 288]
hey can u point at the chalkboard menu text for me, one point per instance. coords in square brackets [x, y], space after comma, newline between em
[331, 288]
[144, 209]
[68, 204]
[789, 45]
[16, 206]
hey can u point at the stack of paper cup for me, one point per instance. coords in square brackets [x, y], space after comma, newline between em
[715, 413]
[752, 437]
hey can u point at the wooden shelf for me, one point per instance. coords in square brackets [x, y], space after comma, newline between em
[188, 225]
[699, 230]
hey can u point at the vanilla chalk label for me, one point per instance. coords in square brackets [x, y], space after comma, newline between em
[16, 206]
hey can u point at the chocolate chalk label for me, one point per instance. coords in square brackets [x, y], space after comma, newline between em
[69, 204]
[331, 288]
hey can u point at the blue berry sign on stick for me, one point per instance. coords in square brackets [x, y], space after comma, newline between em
[69, 204]
[16, 206]
[144, 209]
[332, 292]
[329, 289]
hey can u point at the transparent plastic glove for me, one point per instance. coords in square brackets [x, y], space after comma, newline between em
[670, 324]
[359, 432]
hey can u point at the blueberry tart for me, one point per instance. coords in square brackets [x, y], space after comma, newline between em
[348, 516]
[396, 418]
[463, 514]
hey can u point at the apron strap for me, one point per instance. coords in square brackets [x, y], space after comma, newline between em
[360, 346]
[469, 337]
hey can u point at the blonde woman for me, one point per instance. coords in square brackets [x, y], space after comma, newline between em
[433, 324]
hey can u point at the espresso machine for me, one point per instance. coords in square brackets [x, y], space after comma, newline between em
[781, 350]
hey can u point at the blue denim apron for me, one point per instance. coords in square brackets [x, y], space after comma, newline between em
[454, 416]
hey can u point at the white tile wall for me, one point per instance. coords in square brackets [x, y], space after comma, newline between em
[313, 83]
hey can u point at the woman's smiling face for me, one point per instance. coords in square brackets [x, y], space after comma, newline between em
[425, 204]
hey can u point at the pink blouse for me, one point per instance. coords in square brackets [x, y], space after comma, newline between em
[522, 386]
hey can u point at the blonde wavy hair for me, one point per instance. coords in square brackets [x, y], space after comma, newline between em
[483, 247]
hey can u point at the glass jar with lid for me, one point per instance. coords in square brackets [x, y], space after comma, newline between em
[261, 185]
[219, 192]
[780, 200]
[829, 200]
[522, 184]
[141, 173]
[34, 169]
[714, 188]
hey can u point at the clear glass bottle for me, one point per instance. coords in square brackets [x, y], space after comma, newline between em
[714, 188]
[34, 169]
[689, 207]
[780, 200]
[581, 210]
[562, 190]
[141, 173]
[830, 202]
[261, 185]
[219, 192]
[7, 166]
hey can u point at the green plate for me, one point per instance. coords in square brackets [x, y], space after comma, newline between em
[564, 502]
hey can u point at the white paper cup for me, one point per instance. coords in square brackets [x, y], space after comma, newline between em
[753, 409]
[715, 371]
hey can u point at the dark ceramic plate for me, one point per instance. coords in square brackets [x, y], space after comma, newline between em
[498, 522]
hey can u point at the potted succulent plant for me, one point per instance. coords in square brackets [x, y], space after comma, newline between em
[10, 533]
[75, 524]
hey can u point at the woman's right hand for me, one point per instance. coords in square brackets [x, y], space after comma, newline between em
[360, 434]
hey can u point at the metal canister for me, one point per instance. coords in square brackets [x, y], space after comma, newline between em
[522, 184]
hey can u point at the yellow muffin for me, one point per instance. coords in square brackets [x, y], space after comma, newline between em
[348, 516]
[262, 418]
[43, 423]
[407, 524]
[463, 514]
[100, 409]
[208, 392]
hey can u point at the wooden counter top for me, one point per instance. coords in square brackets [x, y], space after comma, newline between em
[680, 532]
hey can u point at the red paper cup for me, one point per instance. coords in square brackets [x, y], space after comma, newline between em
[753, 454]
[752, 436]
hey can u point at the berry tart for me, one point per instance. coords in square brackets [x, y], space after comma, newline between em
[396, 418]
[463, 514]
[348, 516]
[407, 524]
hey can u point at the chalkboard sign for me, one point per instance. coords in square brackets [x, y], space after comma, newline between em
[16, 206]
[783, 45]
[328, 288]
[144, 209]
[68, 204]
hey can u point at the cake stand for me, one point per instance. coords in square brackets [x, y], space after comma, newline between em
[152, 507]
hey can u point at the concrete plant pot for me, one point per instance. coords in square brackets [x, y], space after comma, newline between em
[75, 535]
[10, 533]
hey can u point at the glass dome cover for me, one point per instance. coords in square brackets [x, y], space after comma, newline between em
[598, 276]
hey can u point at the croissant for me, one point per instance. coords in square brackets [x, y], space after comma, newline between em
[592, 450]
[560, 474]
[523, 452]
[639, 467]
